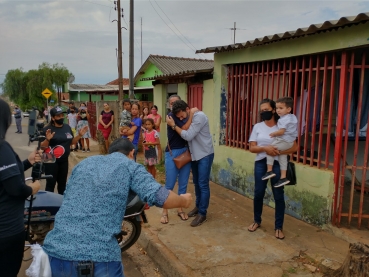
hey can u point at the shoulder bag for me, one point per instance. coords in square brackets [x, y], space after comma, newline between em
[291, 174]
[182, 159]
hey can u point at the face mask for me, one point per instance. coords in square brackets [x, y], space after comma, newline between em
[59, 121]
[72, 111]
[154, 112]
[266, 115]
[83, 115]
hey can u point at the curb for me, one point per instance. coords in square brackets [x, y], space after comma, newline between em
[168, 263]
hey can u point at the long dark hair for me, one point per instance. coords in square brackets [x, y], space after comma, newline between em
[272, 104]
[5, 119]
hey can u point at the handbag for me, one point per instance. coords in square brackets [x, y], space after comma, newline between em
[291, 174]
[182, 159]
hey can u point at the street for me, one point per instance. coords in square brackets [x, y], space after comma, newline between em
[136, 262]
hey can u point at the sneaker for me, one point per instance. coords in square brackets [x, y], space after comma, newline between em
[281, 183]
[199, 219]
[88, 149]
[268, 175]
[193, 213]
[83, 150]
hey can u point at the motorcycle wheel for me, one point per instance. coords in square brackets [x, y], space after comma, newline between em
[131, 230]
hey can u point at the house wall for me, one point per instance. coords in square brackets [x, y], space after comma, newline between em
[311, 199]
[160, 96]
[151, 71]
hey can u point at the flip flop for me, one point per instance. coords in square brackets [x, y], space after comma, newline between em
[277, 235]
[180, 214]
[253, 229]
[166, 218]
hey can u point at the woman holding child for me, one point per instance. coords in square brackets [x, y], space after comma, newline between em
[261, 144]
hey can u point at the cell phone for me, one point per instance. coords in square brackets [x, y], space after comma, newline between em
[85, 269]
[83, 108]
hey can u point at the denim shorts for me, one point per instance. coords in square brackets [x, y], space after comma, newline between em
[63, 268]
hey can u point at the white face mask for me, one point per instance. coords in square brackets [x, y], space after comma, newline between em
[83, 115]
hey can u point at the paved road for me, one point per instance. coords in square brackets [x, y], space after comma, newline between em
[136, 262]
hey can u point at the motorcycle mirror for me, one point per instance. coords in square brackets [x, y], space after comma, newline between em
[48, 158]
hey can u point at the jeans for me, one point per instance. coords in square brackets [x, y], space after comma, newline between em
[260, 187]
[11, 254]
[135, 153]
[18, 122]
[172, 172]
[201, 177]
[62, 268]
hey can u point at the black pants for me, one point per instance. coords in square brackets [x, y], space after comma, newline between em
[59, 170]
[11, 254]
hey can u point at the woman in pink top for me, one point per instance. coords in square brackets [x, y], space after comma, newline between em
[157, 121]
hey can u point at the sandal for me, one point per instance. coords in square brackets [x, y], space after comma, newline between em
[278, 234]
[253, 227]
[182, 216]
[164, 219]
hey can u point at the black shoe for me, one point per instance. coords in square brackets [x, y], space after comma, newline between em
[20, 132]
[268, 175]
[199, 219]
[194, 212]
[17, 132]
[281, 183]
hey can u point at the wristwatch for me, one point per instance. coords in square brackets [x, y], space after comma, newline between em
[174, 127]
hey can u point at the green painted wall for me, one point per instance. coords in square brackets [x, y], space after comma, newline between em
[160, 93]
[151, 71]
[311, 199]
[182, 91]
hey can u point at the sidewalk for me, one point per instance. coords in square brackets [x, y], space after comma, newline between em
[223, 246]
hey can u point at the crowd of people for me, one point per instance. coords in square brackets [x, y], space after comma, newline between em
[272, 139]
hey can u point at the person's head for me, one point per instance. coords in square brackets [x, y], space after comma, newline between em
[284, 105]
[82, 105]
[72, 109]
[149, 124]
[267, 110]
[172, 99]
[71, 104]
[180, 109]
[16, 107]
[135, 109]
[154, 110]
[145, 111]
[106, 106]
[57, 116]
[122, 145]
[5, 118]
[127, 105]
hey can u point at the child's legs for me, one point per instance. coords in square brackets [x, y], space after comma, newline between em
[270, 162]
[82, 143]
[282, 145]
[283, 165]
[87, 142]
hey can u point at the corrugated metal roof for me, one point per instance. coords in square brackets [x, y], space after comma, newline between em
[176, 66]
[97, 88]
[311, 30]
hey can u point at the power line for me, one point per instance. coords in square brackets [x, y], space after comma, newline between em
[177, 28]
[96, 3]
[170, 27]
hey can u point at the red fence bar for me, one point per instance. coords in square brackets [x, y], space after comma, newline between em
[289, 90]
[248, 105]
[234, 104]
[262, 81]
[315, 110]
[253, 108]
[339, 129]
[324, 88]
[296, 85]
[365, 167]
[284, 79]
[243, 110]
[347, 112]
[278, 80]
[272, 88]
[267, 82]
[331, 99]
[229, 99]
[301, 102]
[354, 166]
[238, 96]
[307, 119]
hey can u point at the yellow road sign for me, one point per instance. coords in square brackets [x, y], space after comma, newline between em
[47, 93]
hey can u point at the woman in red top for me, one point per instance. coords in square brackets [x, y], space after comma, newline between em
[106, 120]
[157, 120]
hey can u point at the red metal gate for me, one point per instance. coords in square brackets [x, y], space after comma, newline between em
[195, 96]
[91, 107]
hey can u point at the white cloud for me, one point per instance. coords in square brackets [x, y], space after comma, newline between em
[80, 34]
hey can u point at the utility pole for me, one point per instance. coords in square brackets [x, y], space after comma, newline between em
[120, 63]
[141, 40]
[131, 50]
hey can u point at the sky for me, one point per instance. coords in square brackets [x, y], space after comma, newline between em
[81, 35]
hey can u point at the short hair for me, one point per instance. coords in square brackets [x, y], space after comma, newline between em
[288, 101]
[126, 101]
[149, 119]
[122, 145]
[179, 106]
[174, 96]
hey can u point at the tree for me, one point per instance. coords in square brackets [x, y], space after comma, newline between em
[24, 88]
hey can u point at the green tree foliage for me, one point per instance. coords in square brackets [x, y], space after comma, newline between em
[24, 88]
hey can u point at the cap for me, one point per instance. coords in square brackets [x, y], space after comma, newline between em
[56, 110]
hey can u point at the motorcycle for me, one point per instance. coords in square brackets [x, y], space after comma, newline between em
[41, 208]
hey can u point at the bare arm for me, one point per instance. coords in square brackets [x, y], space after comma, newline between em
[270, 150]
[100, 120]
[129, 132]
[278, 133]
[177, 201]
[157, 142]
